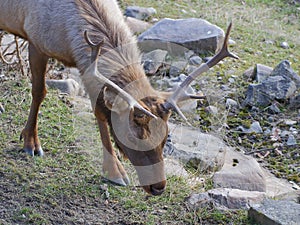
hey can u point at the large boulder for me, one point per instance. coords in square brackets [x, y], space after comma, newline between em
[176, 36]
[272, 212]
[240, 172]
[202, 151]
[279, 84]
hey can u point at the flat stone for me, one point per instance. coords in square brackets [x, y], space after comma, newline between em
[176, 36]
[235, 198]
[240, 172]
[202, 151]
[68, 86]
[279, 188]
[272, 212]
[174, 168]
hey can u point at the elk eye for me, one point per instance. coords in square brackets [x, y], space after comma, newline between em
[140, 115]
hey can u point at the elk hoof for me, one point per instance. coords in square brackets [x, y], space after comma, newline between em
[119, 181]
[33, 152]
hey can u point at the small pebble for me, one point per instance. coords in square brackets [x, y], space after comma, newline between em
[2, 110]
[284, 45]
[291, 140]
[195, 61]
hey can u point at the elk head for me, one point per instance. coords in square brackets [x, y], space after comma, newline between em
[139, 127]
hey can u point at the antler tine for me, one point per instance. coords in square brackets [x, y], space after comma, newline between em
[180, 93]
[123, 94]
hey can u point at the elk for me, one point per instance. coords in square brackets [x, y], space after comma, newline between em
[93, 37]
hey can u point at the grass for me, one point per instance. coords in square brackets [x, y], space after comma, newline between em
[65, 187]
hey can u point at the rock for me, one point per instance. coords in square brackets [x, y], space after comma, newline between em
[295, 102]
[2, 110]
[202, 151]
[248, 74]
[274, 88]
[137, 26]
[174, 168]
[254, 128]
[235, 198]
[176, 36]
[291, 140]
[68, 86]
[261, 72]
[280, 84]
[240, 172]
[195, 61]
[284, 69]
[200, 200]
[177, 68]
[272, 212]
[279, 188]
[139, 13]
[230, 103]
[212, 110]
[284, 45]
[153, 61]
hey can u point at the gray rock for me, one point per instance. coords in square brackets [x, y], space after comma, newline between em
[284, 45]
[279, 188]
[272, 212]
[295, 102]
[68, 86]
[137, 26]
[176, 36]
[174, 168]
[254, 128]
[235, 198]
[195, 61]
[139, 13]
[177, 68]
[248, 74]
[261, 72]
[291, 140]
[230, 103]
[274, 88]
[200, 200]
[240, 172]
[154, 60]
[202, 151]
[189, 69]
[2, 110]
[280, 84]
[212, 110]
[284, 69]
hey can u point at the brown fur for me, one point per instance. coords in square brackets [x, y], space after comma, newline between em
[54, 29]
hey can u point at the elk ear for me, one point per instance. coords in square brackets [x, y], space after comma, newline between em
[114, 102]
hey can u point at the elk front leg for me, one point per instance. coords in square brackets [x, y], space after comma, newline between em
[38, 63]
[112, 167]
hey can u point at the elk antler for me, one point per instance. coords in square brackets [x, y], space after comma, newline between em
[180, 93]
[93, 69]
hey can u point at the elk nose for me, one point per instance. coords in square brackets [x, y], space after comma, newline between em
[158, 188]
